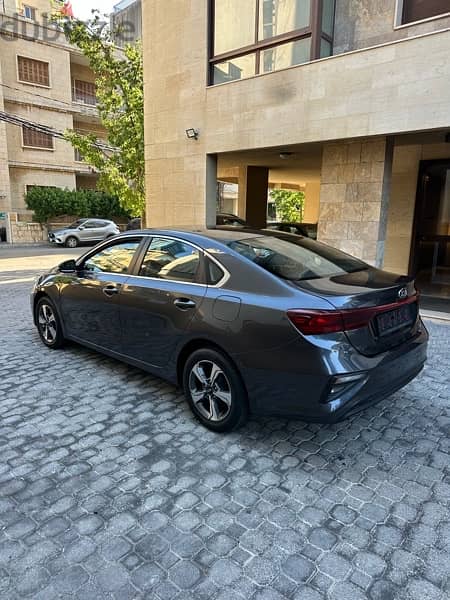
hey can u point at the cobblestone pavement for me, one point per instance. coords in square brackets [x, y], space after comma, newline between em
[110, 489]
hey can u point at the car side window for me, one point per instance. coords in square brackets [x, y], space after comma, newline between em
[113, 259]
[213, 272]
[89, 225]
[170, 259]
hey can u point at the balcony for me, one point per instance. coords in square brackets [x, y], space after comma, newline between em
[83, 92]
[84, 100]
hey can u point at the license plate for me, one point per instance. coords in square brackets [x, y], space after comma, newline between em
[393, 320]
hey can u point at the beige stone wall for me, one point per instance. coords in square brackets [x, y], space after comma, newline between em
[62, 153]
[50, 106]
[27, 233]
[59, 65]
[352, 197]
[374, 92]
[405, 171]
[364, 23]
[4, 171]
[312, 202]
[21, 177]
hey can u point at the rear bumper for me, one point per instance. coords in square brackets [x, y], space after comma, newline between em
[305, 396]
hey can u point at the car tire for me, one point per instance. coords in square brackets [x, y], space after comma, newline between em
[49, 324]
[71, 242]
[214, 390]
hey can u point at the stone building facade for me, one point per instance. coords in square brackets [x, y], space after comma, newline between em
[46, 81]
[349, 100]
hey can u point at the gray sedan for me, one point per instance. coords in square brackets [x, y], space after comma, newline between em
[87, 231]
[267, 323]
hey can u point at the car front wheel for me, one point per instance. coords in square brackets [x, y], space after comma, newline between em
[49, 324]
[215, 391]
[71, 242]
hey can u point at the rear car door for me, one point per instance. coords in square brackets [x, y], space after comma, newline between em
[90, 299]
[159, 301]
[91, 231]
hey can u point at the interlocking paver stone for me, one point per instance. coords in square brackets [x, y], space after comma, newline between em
[110, 489]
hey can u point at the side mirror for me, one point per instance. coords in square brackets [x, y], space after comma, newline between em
[68, 266]
[81, 227]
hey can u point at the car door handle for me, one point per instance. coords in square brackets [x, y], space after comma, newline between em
[184, 303]
[110, 290]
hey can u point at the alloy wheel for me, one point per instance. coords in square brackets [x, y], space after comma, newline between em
[47, 323]
[71, 242]
[210, 390]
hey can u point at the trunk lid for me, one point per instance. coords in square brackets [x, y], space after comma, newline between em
[394, 297]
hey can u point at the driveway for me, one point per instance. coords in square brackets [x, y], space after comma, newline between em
[110, 489]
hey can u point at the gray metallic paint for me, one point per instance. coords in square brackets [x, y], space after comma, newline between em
[284, 372]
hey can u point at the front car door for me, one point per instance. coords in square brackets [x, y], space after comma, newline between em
[160, 300]
[90, 299]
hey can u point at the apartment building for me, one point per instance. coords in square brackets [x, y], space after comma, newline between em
[347, 101]
[126, 22]
[46, 81]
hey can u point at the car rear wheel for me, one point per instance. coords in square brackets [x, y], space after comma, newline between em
[48, 324]
[71, 242]
[215, 391]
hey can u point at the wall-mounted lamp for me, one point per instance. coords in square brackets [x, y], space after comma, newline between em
[192, 134]
[285, 155]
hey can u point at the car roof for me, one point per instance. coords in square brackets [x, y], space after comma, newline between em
[219, 234]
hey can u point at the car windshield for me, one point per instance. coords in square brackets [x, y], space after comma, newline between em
[75, 224]
[298, 259]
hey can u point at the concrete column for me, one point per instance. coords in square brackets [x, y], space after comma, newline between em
[211, 190]
[354, 197]
[312, 202]
[252, 200]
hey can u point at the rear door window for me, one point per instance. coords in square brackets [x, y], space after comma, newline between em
[297, 259]
[171, 259]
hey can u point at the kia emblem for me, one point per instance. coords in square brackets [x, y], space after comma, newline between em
[403, 293]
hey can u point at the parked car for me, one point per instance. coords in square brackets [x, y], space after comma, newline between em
[135, 223]
[230, 220]
[306, 229]
[267, 323]
[83, 231]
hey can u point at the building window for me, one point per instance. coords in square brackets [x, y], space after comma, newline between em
[417, 10]
[33, 71]
[84, 92]
[28, 12]
[36, 139]
[249, 37]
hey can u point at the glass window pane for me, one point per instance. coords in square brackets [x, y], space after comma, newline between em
[416, 10]
[234, 24]
[325, 48]
[114, 259]
[281, 16]
[297, 259]
[236, 68]
[170, 259]
[285, 55]
[328, 17]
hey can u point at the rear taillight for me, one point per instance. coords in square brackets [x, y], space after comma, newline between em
[313, 322]
[316, 322]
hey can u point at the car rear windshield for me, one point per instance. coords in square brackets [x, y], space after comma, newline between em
[297, 259]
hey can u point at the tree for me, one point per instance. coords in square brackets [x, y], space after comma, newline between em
[120, 96]
[289, 205]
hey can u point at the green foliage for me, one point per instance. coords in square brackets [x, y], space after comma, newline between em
[120, 95]
[48, 202]
[289, 205]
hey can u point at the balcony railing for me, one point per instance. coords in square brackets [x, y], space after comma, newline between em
[83, 92]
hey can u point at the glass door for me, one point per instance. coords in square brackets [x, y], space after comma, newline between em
[431, 240]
